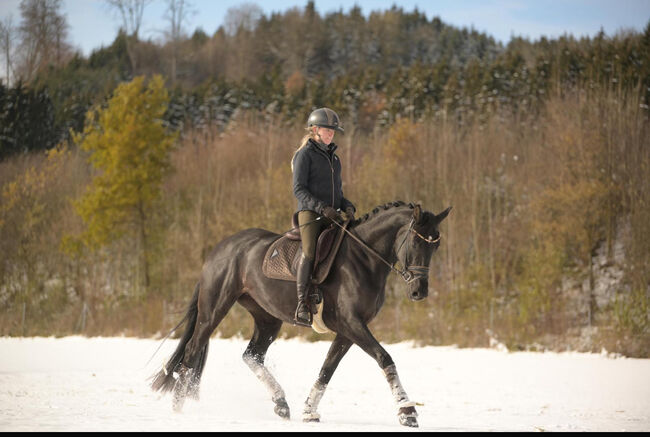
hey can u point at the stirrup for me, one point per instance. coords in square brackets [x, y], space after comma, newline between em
[303, 322]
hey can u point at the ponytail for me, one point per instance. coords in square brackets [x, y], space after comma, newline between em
[303, 143]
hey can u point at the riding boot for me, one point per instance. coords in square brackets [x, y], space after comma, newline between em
[303, 280]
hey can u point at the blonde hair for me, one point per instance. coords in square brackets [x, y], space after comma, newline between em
[303, 142]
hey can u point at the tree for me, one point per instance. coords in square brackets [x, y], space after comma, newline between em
[7, 38]
[131, 12]
[26, 120]
[130, 147]
[176, 14]
[43, 37]
[242, 17]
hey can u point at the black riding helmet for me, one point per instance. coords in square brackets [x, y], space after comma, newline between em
[325, 117]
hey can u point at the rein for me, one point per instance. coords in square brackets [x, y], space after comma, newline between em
[409, 273]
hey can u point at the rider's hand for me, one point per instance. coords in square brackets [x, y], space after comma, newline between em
[332, 214]
[349, 212]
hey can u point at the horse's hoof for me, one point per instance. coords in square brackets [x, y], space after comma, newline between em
[179, 399]
[180, 392]
[409, 421]
[408, 417]
[193, 392]
[183, 377]
[177, 404]
[282, 409]
[310, 417]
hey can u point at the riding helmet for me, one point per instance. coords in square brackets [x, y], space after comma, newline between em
[325, 117]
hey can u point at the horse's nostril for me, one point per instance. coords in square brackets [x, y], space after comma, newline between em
[417, 294]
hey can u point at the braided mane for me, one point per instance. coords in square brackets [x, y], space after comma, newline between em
[378, 209]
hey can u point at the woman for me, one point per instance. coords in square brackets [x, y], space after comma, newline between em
[317, 187]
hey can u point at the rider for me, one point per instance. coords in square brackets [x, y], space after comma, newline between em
[317, 187]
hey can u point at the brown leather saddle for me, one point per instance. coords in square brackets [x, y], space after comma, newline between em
[282, 256]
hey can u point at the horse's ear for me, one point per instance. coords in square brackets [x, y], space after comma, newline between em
[417, 213]
[443, 215]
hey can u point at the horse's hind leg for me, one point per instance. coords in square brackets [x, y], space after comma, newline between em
[337, 351]
[213, 304]
[266, 331]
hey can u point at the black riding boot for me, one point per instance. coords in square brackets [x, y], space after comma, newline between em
[303, 279]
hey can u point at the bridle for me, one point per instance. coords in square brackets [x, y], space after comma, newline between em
[414, 272]
[411, 272]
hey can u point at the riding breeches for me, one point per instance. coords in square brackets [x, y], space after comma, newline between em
[309, 232]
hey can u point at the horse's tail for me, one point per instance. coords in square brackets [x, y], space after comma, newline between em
[164, 380]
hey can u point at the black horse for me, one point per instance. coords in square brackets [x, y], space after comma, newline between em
[396, 236]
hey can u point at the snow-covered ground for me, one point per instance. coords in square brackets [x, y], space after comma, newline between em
[100, 384]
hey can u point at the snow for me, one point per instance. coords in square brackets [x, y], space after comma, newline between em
[101, 384]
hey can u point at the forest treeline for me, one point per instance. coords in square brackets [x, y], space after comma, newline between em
[540, 146]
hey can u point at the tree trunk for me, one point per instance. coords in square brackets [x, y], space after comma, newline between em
[131, 53]
[145, 247]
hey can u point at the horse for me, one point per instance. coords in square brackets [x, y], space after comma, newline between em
[396, 237]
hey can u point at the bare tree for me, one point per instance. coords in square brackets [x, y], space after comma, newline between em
[240, 23]
[7, 38]
[131, 12]
[177, 13]
[244, 16]
[43, 34]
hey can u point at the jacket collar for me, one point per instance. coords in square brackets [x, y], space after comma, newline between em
[329, 149]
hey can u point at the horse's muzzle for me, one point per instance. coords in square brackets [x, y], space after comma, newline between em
[418, 290]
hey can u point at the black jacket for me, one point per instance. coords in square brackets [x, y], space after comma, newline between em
[317, 178]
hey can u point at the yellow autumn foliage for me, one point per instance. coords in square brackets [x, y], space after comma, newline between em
[129, 147]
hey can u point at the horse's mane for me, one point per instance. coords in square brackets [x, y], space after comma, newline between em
[364, 218]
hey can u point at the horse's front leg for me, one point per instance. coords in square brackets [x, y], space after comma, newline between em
[405, 408]
[359, 333]
[337, 351]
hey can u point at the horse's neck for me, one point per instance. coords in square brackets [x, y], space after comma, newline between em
[380, 232]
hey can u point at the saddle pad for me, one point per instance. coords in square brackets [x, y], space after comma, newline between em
[317, 324]
[282, 256]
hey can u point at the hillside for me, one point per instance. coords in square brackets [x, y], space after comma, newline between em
[541, 147]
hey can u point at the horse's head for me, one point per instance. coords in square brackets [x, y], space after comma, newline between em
[415, 244]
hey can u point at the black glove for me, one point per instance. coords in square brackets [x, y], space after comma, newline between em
[349, 212]
[332, 214]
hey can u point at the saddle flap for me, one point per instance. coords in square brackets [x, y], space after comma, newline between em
[324, 244]
[282, 256]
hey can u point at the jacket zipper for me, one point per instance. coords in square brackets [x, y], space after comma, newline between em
[332, 168]
[329, 160]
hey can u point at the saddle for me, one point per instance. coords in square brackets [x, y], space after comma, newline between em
[282, 256]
